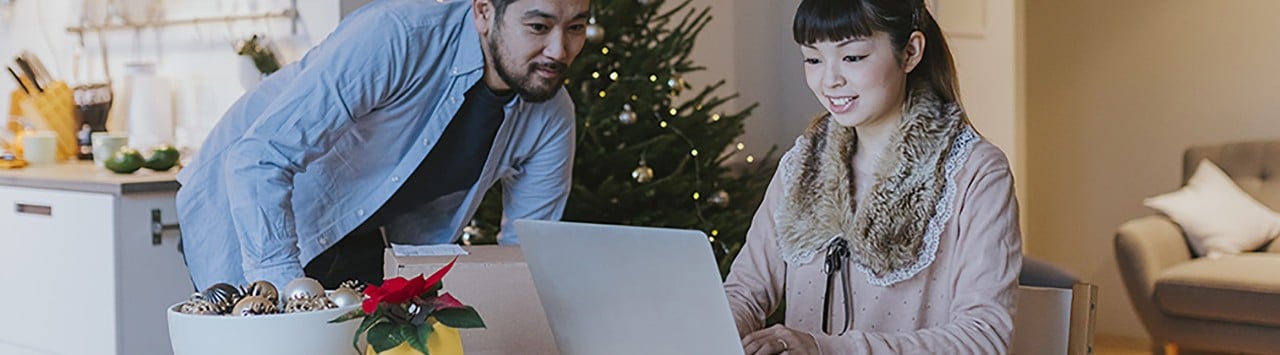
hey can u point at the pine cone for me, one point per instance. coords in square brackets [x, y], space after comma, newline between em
[307, 304]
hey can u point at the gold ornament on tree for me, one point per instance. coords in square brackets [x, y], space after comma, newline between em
[595, 32]
[643, 173]
[720, 198]
[676, 83]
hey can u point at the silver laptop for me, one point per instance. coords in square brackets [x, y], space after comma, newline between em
[628, 290]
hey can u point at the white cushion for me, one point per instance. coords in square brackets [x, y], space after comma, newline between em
[1217, 217]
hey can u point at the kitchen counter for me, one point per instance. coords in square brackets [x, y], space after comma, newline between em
[83, 176]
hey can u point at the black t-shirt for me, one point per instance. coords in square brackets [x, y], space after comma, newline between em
[456, 161]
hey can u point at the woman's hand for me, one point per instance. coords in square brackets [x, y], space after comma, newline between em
[779, 339]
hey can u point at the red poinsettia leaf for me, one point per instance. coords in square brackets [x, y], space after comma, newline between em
[406, 292]
[370, 305]
[446, 301]
[388, 284]
[439, 274]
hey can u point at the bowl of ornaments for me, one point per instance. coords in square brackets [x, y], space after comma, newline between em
[261, 319]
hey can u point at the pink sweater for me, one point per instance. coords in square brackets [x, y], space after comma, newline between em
[961, 303]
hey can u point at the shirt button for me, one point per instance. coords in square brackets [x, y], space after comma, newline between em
[395, 179]
[454, 70]
[360, 212]
[426, 142]
[324, 241]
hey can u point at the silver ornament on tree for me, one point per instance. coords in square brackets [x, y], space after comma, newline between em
[253, 306]
[643, 173]
[265, 289]
[303, 287]
[627, 116]
[719, 198]
[471, 233]
[595, 32]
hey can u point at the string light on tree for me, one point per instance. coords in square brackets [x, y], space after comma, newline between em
[741, 146]
[696, 196]
[750, 159]
[646, 2]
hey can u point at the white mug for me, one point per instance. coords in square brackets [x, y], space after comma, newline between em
[106, 144]
[40, 147]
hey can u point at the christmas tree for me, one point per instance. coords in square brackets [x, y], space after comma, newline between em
[651, 152]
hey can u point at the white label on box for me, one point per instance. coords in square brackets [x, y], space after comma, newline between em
[427, 250]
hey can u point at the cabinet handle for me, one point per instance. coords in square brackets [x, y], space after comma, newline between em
[158, 228]
[40, 210]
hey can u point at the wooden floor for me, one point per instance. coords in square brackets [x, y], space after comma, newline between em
[1110, 345]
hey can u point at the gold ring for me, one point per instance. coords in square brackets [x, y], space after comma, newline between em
[784, 344]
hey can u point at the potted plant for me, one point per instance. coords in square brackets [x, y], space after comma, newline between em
[411, 316]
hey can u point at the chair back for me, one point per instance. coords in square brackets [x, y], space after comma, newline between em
[1053, 320]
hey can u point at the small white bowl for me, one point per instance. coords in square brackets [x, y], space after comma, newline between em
[285, 333]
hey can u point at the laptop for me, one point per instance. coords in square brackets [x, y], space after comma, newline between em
[610, 289]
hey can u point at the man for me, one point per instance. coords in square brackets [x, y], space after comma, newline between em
[391, 127]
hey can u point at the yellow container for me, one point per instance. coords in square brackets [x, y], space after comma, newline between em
[444, 340]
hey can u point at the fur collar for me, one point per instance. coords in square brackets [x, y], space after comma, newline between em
[886, 230]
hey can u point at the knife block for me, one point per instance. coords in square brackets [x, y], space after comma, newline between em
[53, 109]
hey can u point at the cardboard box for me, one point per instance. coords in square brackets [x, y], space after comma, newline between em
[496, 281]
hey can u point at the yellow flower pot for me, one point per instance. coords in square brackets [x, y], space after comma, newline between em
[444, 340]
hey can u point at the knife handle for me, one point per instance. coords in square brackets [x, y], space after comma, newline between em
[31, 74]
[19, 80]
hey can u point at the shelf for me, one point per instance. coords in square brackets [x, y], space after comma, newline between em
[289, 13]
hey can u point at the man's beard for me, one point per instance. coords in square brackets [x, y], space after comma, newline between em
[526, 85]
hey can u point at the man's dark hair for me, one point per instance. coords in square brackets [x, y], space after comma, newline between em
[500, 7]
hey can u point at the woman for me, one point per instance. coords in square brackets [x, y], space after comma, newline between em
[891, 225]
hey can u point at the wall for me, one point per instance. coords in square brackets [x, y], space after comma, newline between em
[749, 44]
[199, 61]
[1115, 91]
[989, 67]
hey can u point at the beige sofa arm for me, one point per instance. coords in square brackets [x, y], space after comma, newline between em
[1144, 247]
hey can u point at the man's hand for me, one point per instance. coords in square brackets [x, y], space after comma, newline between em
[778, 340]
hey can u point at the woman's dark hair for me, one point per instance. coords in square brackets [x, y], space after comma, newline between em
[838, 20]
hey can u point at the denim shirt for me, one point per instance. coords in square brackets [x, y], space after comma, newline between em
[300, 161]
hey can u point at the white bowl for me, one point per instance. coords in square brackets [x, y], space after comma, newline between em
[285, 333]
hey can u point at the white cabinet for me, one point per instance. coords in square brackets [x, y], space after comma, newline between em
[79, 273]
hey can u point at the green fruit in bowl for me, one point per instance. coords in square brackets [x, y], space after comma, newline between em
[124, 161]
[162, 158]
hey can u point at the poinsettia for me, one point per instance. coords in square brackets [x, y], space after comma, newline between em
[405, 310]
